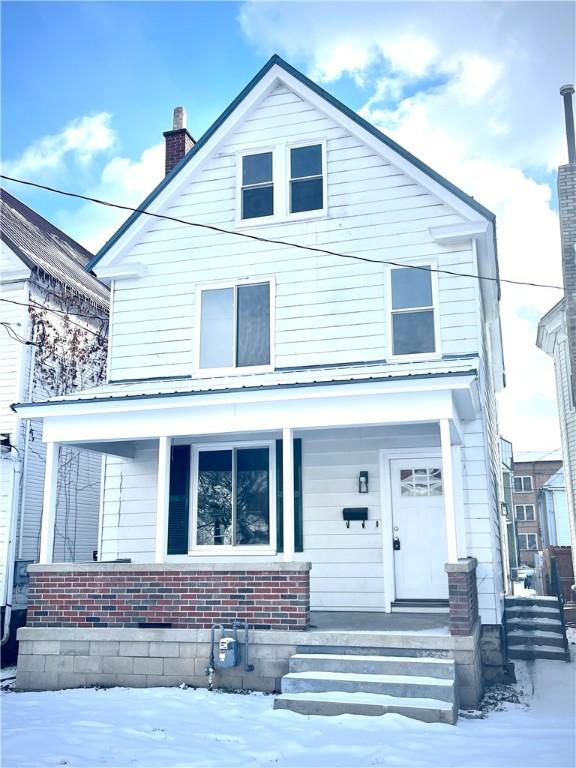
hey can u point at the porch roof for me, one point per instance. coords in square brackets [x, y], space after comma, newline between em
[281, 379]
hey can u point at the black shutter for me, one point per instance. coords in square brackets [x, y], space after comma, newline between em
[298, 506]
[279, 499]
[179, 503]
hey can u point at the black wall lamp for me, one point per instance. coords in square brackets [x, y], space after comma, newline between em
[363, 482]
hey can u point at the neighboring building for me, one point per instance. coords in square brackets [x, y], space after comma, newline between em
[532, 470]
[557, 329]
[510, 529]
[53, 340]
[553, 512]
[287, 430]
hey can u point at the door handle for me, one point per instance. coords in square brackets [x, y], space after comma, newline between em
[396, 543]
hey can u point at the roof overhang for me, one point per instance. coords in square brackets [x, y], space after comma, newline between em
[322, 405]
[550, 327]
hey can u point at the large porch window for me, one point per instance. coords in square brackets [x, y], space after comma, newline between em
[233, 496]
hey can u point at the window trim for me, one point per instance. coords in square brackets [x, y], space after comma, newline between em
[240, 155]
[527, 548]
[524, 490]
[524, 519]
[318, 212]
[437, 354]
[234, 370]
[201, 550]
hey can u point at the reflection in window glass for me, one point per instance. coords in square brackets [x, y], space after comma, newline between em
[253, 325]
[252, 496]
[306, 181]
[413, 330]
[217, 328]
[257, 186]
[214, 524]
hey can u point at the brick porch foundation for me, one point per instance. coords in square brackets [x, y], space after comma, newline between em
[462, 596]
[180, 596]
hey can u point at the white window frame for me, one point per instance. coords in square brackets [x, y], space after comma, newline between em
[234, 370]
[524, 537]
[240, 155]
[319, 212]
[523, 507]
[524, 490]
[281, 183]
[437, 354]
[201, 550]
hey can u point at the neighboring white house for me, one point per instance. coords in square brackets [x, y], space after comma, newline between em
[368, 374]
[54, 318]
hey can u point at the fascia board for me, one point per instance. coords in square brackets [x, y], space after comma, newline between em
[549, 329]
[183, 175]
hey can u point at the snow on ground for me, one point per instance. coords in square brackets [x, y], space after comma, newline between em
[177, 728]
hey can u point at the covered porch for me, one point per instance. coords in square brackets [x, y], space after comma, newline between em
[340, 442]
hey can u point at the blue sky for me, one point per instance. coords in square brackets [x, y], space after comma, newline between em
[469, 87]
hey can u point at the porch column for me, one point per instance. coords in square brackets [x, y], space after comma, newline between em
[448, 484]
[288, 491]
[163, 498]
[49, 504]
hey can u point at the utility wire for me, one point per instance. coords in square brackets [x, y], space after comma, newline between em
[34, 305]
[272, 241]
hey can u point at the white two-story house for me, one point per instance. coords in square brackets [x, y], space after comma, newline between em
[299, 424]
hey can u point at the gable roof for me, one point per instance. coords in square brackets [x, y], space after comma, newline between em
[278, 61]
[41, 245]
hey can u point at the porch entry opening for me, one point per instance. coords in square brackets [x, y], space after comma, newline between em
[419, 529]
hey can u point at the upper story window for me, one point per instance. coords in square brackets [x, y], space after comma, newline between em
[257, 185]
[528, 542]
[525, 512]
[413, 311]
[235, 326]
[523, 484]
[306, 179]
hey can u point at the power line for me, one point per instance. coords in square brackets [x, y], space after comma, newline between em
[271, 241]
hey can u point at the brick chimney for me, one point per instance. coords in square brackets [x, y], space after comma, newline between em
[178, 141]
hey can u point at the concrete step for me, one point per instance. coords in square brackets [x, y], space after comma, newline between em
[538, 637]
[531, 624]
[372, 665]
[340, 703]
[543, 600]
[537, 652]
[409, 651]
[399, 686]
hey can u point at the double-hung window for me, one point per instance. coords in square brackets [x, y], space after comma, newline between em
[233, 496]
[523, 484]
[528, 542]
[413, 313]
[257, 186]
[306, 179]
[525, 512]
[235, 326]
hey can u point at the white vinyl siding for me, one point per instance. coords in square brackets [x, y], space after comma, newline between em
[329, 310]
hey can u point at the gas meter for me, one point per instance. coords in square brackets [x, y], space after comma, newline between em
[228, 652]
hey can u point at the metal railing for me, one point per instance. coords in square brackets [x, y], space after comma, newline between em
[556, 589]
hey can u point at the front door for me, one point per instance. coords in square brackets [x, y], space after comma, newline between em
[419, 529]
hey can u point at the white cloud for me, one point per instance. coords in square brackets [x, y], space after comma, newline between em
[80, 141]
[123, 181]
[471, 89]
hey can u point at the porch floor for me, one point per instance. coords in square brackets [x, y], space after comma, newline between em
[365, 621]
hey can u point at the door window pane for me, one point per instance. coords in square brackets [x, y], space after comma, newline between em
[413, 332]
[421, 482]
[253, 325]
[214, 524]
[252, 496]
[217, 328]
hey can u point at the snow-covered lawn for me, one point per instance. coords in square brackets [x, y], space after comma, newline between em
[173, 727]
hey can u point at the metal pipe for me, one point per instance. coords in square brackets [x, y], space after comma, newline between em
[566, 92]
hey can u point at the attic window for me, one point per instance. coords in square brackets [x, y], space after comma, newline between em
[257, 186]
[306, 179]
